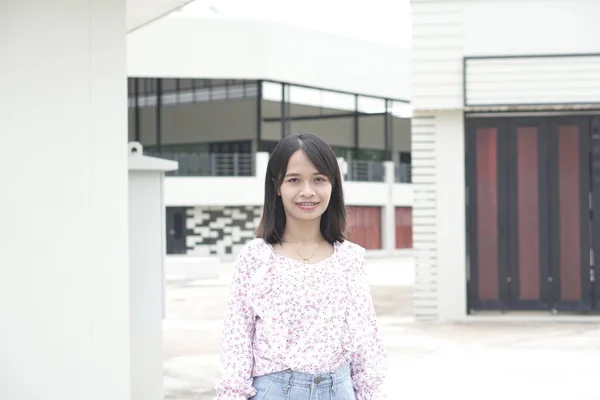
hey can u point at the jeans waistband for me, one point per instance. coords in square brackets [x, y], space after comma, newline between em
[339, 375]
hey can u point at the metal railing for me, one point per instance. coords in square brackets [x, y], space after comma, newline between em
[403, 173]
[366, 171]
[209, 164]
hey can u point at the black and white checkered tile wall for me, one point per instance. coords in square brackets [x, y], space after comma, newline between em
[220, 231]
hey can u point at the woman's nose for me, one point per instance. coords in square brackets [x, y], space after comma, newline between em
[307, 190]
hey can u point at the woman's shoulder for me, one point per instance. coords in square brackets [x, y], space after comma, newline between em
[254, 253]
[256, 244]
[349, 248]
[255, 248]
[352, 254]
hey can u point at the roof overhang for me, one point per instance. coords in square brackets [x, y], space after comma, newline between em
[193, 47]
[143, 12]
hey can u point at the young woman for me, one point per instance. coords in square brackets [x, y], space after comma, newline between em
[300, 323]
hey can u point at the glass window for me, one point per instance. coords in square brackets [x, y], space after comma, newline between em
[370, 155]
[169, 85]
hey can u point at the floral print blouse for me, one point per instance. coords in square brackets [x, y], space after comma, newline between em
[311, 318]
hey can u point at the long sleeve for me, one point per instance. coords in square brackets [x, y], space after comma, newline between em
[237, 358]
[369, 361]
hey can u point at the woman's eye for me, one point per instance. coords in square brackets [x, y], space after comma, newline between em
[321, 179]
[293, 180]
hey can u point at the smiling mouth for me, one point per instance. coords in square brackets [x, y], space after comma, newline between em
[307, 205]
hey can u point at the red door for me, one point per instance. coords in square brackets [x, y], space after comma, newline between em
[404, 232]
[364, 226]
[529, 235]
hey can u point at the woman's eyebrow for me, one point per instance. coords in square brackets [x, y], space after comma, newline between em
[297, 174]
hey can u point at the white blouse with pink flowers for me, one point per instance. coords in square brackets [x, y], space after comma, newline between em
[310, 318]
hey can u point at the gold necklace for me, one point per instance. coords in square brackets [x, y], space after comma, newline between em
[306, 259]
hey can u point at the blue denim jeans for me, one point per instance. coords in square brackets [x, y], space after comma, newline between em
[291, 385]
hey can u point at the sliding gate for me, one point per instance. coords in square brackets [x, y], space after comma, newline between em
[533, 184]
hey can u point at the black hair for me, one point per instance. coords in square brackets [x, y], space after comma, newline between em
[333, 220]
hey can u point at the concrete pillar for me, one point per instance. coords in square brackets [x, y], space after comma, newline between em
[261, 159]
[451, 229]
[64, 284]
[343, 165]
[147, 250]
[388, 215]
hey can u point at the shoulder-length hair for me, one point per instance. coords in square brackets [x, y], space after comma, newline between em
[333, 220]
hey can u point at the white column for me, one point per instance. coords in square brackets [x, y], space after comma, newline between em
[261, 160]
[343, 165]
[146, 265]
[388, 219]
[424, 187]
[64, 287]
[450, 216]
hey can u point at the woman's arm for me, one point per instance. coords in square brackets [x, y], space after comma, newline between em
[237, 359]
[369, 362]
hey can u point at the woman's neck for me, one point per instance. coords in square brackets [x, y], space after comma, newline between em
[302, 232]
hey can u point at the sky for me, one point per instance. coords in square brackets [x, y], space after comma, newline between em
[379, 21]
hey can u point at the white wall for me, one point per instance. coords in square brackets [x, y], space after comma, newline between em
[200, 191]
[402, 195]
[424, 175]
[438, 45]
[439, 225]
[541, 80]
[450, 216]
[146, 279]
[64, 290]
[206, 48]
[531, 27]
[445, 31]
[184, 191]
[225, 191]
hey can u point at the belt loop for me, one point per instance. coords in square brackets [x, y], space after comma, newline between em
[287, 381]
[333, 382]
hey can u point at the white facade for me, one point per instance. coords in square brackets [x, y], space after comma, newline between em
[64, 291]
[146, 272]
[444, 33]
[192, 47]
[530, 81]
[183, 191]
[248, 192]
[333, 75]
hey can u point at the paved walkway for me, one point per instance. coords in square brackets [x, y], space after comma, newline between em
[427, 361]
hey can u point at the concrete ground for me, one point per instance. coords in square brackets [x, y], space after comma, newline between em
[474, 361]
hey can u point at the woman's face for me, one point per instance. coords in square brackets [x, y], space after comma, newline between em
[305, 192]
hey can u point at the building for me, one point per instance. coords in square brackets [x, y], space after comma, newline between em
[218, 105]
[65, 297]
[506, 157]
